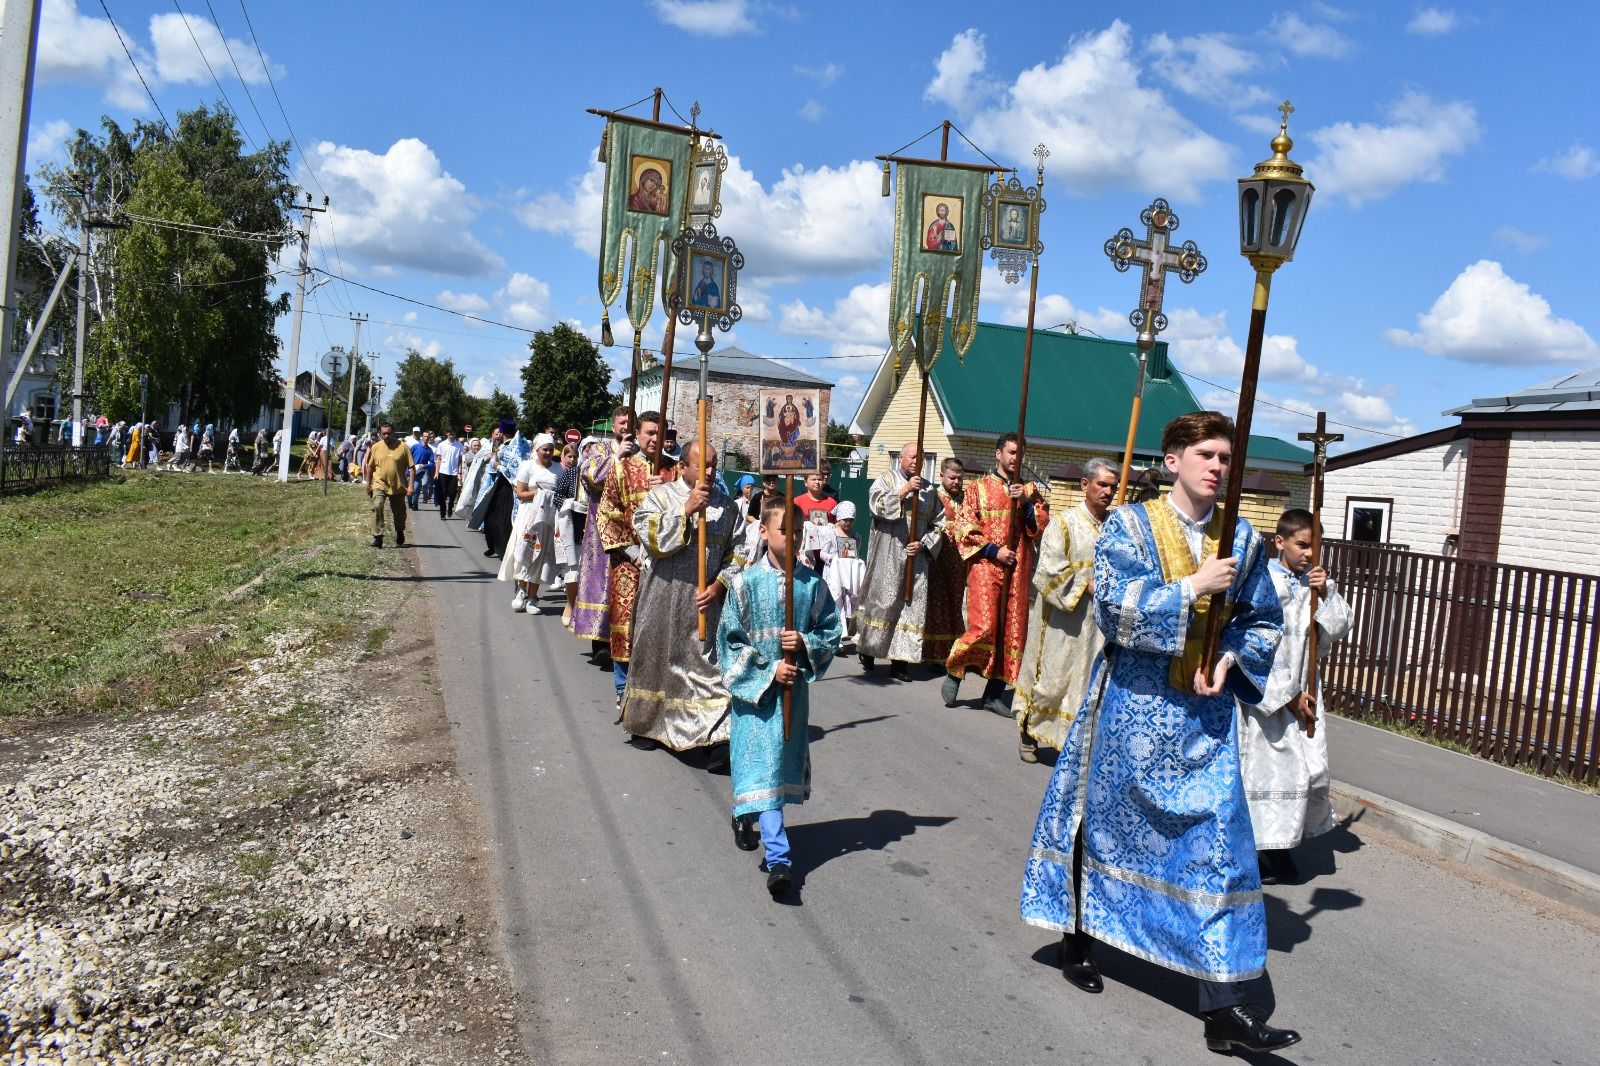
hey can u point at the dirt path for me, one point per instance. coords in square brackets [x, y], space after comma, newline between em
[286, 870]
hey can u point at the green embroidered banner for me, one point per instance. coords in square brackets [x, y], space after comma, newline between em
[938, 234]
[647, 177]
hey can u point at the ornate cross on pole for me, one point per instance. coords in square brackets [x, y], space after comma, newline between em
[1320, 439]
[1157, 256]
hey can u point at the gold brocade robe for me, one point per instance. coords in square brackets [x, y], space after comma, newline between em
[625, 489]
[1063, 637]
[997, 596]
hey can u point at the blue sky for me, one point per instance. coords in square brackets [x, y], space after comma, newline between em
[1445, 256]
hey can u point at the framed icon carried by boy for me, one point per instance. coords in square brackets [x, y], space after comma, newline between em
[650, 185]
[791, 430]
[941, 223]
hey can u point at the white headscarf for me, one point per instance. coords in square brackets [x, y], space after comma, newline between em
[844, 510]
[543, 439]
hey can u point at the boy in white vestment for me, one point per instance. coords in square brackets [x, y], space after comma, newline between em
[1283, 749]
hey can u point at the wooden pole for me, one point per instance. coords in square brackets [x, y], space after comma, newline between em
[1013, 533]
[633, 379]
[1320, 440]
[704, 407]
[916, 497]
[1133, 430]
[788, 596]
[1216, 617]
[655, 109]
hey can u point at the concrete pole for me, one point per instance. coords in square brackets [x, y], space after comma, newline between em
[83, 326]
[294, 333]
[355, 365]
[19, 43]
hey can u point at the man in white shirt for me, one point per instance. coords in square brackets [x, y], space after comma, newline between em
[447, 473]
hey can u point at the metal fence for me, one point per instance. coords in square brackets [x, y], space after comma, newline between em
[1500, 659]
[24, 467]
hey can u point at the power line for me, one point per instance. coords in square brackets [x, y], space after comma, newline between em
[200, 229]
[137, 72]
[213, 73]
[273, 85]
[424, 303]
[1293, 411]
[248, 95]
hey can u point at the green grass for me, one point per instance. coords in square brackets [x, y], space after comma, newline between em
[118, 593]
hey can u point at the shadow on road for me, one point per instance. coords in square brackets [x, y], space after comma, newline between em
[816, 732]
[1287, 927]
[818, 842]
[478, 577]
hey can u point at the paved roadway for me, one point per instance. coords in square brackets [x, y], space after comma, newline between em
[637, 933]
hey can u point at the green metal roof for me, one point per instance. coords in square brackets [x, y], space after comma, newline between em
[1080, 389]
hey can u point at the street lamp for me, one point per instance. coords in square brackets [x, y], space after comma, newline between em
[1272, 210]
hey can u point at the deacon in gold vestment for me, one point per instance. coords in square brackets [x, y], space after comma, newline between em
[1000, 579]
[1063, 638]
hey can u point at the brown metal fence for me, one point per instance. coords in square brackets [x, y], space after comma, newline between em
[1500, 659]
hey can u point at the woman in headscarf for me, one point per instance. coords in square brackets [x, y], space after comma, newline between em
[530, 549]
[208, 448]
[569, 526]
[135, 453]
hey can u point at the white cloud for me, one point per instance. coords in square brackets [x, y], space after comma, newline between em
[45, 141]
[1578, 163]
[1312, 39]
[706, 18]
[178, 61]
[469, 302]
[482, 387]
[78, 49]
[409, 316]
[1485, 316]
[1105, 129]
[1511, 237]
[1366, 161]
[1433, 21]
[958, 79]
[860, 317]
[402, 208]
[824, 75]
[1211, 66]
[403, 340]
[526, 301]
[812, 111]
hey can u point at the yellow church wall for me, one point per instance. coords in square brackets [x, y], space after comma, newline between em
[898, 426]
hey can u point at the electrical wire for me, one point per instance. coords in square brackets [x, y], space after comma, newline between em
[273, 85]
[137, 72]
[204, 59]
[200, 229]
[424, 303]
[226, 47]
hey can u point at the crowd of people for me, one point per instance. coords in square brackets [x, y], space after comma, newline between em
[1178, 788]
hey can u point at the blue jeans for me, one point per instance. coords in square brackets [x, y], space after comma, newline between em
[774, 838]
[421, 487]
[619, 675]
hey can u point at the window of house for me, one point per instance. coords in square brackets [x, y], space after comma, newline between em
[43, 407]
[1366, 519]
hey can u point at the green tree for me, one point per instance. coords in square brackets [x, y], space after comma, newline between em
[565, 382]
[486, 411]
[430, 394]
[172, 296]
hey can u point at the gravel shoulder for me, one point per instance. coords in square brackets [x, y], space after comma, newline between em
[285, 869]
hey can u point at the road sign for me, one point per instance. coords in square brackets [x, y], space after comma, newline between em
[335, 363]
[369, 408]
[573, 436]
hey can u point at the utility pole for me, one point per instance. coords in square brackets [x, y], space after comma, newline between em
[19, 44]
[373, 384]
[83, 322]
[355, 365]
[306, 212]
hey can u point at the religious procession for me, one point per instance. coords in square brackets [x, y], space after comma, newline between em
[1157, 654]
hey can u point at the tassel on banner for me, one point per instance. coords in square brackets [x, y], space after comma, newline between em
[886, 190]
[606, 337]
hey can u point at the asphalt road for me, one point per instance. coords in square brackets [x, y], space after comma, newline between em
[637, 933]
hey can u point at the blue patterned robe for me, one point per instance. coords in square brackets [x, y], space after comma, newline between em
[504, 466]
[1153, 774]
[769, 771]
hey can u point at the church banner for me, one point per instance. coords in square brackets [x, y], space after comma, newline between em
[938, 236]
[791, 431]
[647, 183]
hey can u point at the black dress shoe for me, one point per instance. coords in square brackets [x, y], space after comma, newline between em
[867, 663]
[643, 743]
[900, 671]
[1277, 867]
[778, 882]
[746, 833]
[488, 553]
[717, 758]
[1077, 962]
[1241, 1027]
[377, 542]
[399, 540]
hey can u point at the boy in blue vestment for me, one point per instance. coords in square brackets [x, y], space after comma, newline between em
[1144, 839]
[770, 770]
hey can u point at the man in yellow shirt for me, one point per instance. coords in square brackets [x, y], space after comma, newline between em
[389, 476]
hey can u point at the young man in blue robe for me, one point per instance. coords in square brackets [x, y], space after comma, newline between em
[1144, 839]
[770, 770]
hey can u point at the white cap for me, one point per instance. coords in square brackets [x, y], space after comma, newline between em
[844, 510]
[542, 439]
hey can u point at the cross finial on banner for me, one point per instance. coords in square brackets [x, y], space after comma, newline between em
[1041, 153]
[1156, 255]
[694, 114]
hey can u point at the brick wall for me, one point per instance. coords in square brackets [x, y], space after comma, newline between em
[1423, 485]
[1552, 498]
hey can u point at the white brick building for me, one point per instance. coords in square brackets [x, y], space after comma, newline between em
[1516, 481]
